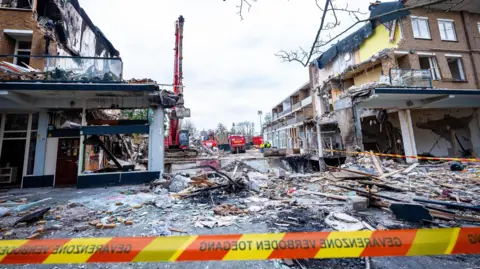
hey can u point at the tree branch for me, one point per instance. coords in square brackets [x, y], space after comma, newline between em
[305, 59]
[240, 8]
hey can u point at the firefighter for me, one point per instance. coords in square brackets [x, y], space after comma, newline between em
[268, 145]
[262, 146]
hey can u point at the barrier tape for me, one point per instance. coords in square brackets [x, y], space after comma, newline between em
[314, 245]
[403, 156]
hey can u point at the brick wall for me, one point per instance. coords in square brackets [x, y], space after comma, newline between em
[21, 20]
[471, 21]
[441, 47]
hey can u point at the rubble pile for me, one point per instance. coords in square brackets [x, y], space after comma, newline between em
[367, 194]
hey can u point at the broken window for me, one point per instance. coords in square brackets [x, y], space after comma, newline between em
[447, 30]
[23, 50]
[23, 4]
[430, 63]
[456, 68]
[420, 27]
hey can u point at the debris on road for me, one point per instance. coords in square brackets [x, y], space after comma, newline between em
[351, 197]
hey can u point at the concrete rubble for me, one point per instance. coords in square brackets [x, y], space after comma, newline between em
[354, 196]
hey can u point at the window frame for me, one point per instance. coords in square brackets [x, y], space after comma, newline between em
[461, 69]
[433, 62]
[17, 50]
[417, 19]
[440, 21]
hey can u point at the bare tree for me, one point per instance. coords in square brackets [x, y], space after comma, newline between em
[267, 118]
[190, 127]
[329, 21]
[221, 133]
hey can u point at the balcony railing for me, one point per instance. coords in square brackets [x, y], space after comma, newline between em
[297, 106]
[415, 78]
[60, 69]
[291, 121]
[307, 101]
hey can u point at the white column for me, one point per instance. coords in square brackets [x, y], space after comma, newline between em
[407, 134]
[27, 148]
[41, 146]
[156, 143]
[81, 146]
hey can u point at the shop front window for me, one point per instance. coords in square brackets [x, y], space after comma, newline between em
[16, 122]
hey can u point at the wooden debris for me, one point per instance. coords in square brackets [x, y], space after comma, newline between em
[384, 186]
[356, 172]
[410, 168]
[109, 226]
[176, 230]
[94, 222]
[387, 175]
[376, 162]
[34, 236]
[347, 175]
[227, 209]
[289, 222]
[328, 195]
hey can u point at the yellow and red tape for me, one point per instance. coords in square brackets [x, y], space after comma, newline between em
[404, 156]
[314, 245]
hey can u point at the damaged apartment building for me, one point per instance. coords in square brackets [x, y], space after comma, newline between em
[404, 83]
[292, 126]
[59, 78]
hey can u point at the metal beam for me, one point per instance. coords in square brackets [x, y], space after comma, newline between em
[93, 102]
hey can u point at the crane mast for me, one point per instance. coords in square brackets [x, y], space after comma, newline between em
[173, 136]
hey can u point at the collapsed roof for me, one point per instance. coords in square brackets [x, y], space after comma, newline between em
[379, 13]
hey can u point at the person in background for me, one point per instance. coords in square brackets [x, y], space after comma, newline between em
[268, 145]
[262, 146]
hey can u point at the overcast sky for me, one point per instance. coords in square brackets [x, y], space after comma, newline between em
[230, 71]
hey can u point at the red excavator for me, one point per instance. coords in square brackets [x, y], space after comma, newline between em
[177, 142]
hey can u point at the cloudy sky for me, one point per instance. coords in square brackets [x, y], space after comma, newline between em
[230, 71]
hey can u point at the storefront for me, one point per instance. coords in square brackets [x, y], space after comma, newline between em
[18, 140]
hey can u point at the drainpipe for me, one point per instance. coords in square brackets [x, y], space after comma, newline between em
[470, 49]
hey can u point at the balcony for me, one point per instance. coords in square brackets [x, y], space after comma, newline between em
[307, 101]
[412, 78]
[296, 106]
[60, 69]
[304, 103]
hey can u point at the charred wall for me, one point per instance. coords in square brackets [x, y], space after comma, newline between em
[76, 33]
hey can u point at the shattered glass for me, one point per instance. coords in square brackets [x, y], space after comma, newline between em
[411, 78]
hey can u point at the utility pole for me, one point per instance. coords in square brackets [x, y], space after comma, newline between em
[260, 113]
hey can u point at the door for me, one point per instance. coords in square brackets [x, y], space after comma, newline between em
[67, 159]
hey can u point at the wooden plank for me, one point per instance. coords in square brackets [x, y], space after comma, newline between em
[411, 167]
[384, 186]
[328, 195]
[391, 174]
[376, 162]
[345, 174]
[356, 172]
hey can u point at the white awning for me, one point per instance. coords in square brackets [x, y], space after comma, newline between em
[19, 35]
[404, 98]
